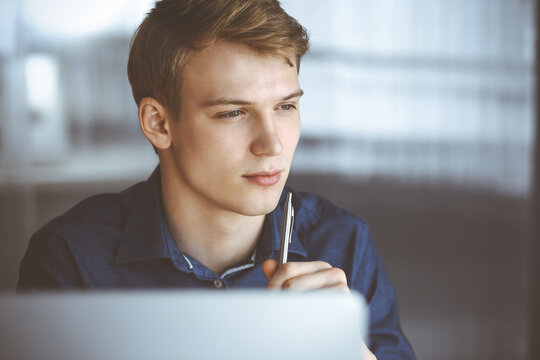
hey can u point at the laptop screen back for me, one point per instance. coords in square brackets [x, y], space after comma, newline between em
[254, 324]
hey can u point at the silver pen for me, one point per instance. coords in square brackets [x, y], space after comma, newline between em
[287, 224]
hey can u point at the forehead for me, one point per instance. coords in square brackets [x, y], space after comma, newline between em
[226, 70]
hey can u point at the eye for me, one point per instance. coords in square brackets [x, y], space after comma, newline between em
[230, 114]
[286, 107]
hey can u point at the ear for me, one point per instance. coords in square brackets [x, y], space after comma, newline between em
[154, 121]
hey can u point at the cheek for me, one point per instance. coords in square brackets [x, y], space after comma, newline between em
[193, 146]
[291, 134]
[198, 137]
[220, 148]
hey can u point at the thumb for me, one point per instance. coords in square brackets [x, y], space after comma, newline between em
[269, 268]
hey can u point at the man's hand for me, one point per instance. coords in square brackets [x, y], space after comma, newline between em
[303, 276]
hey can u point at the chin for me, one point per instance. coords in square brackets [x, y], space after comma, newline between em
[261, 202]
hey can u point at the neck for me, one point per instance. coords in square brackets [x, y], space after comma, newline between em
[216, 237]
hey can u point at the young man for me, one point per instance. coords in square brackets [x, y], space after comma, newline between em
[216, 83]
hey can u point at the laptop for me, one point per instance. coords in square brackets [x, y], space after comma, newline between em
[238, 324]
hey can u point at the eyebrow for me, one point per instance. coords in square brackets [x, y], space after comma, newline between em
[227, 101]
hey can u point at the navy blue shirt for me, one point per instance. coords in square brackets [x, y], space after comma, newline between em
[113, 241]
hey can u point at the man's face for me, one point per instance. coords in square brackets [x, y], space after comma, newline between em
[237, 130]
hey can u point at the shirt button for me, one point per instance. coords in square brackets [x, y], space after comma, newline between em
[218, 283]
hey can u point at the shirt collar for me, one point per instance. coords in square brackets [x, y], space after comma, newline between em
[142, 238]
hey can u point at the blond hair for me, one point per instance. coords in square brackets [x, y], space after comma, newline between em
[174, 29]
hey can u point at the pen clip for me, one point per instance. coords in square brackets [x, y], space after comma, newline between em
[291, 224]
[287, 223]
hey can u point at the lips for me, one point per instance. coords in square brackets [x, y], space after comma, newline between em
[264, 178]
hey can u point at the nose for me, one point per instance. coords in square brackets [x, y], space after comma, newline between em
[266, 141]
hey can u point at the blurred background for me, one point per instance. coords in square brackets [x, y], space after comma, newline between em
[419, 115]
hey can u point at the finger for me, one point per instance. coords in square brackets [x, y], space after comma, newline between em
[333, 278]
[269, 268]
[293, 269]
[340, 287]
[368, 355]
